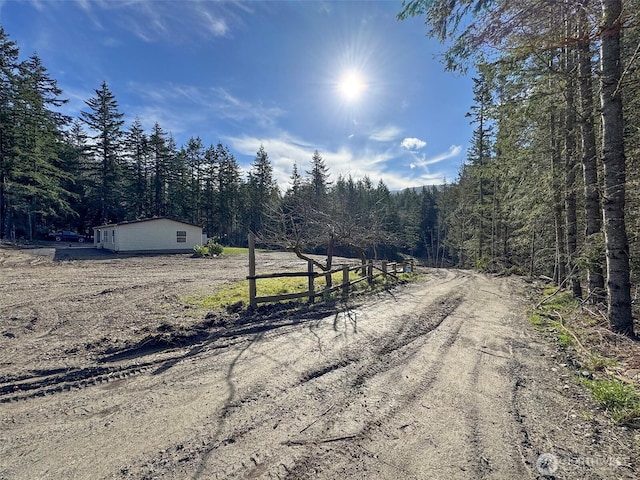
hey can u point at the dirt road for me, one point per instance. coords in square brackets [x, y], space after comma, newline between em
[106, 373]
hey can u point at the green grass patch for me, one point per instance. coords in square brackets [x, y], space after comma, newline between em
[230, 294]
[549, 313]
[619, 399]
[538, 320]
[234, 293]
[598, 362]
[565, 340]
[554, 327]
[236, 251]
[559, 317]
[560, 302]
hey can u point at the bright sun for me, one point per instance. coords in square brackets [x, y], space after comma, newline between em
[351, 86]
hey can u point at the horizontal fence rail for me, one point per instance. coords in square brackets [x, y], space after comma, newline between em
[367, 272]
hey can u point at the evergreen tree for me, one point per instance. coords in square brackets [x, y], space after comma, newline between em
[210, 172]
[319, 178]
[570, 165]
[614, 163]
[228, 197]
[479, 156]
[592, 207]
[160, 158]
[77, 163]
[262, 190]
[36, 179]
[8, 64]
[105, 122]
[178, 183]
[195, 161]
[136, 147]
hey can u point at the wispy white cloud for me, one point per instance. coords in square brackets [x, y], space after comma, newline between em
[212, 102]
[76, 100]
[88, 8]
[237, 109]
[170, 120]
[412, 143]
[388, 133]
[423, 161]
[153, 21]
[217, 26]
[38, 5]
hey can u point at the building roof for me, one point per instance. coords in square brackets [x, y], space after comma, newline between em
[146, 220]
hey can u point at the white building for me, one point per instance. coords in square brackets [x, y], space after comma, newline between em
[150, 235]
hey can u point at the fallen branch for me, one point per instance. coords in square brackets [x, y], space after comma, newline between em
[290, 443]
[572, 334]
[622, 378]
[317, 419]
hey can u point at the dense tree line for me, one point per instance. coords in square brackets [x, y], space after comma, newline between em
[60, 172]
[550, 183]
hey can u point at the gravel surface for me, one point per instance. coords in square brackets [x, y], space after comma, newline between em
[107, 372]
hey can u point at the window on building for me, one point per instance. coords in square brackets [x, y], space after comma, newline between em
[113, 236]
[181, 236]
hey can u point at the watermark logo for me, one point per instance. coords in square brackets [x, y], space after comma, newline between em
[547, 464]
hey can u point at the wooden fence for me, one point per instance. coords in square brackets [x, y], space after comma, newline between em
[368, 272]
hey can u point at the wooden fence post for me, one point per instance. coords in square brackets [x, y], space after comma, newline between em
[370, 272]
[312, 296]
[384, 269]
[345, 282]
[252, 269]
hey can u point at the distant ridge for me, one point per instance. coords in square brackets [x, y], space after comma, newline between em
[440, 188]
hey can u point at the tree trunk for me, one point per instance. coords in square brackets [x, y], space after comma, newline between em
[571, 217]
[613, 159]
[592, 209]
[558, 206]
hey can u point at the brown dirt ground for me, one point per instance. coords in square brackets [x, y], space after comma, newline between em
[107, 372]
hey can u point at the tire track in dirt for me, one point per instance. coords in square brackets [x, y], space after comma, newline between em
[390, 354]
[40, 385]
[474, 414]
[241, 422]
[324, 384]
[164, 351]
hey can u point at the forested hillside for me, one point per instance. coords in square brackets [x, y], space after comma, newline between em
[549, 186]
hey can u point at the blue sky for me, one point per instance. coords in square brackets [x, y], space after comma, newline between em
[264, 72]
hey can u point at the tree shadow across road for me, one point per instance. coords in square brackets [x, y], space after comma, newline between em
[217, 327]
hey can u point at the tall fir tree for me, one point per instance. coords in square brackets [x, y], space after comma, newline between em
[136, 147]
[104, 120]
[319, 179]
[36, 189]
[195, 162]
[262, 190]
[228, 196]
[8, 65]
